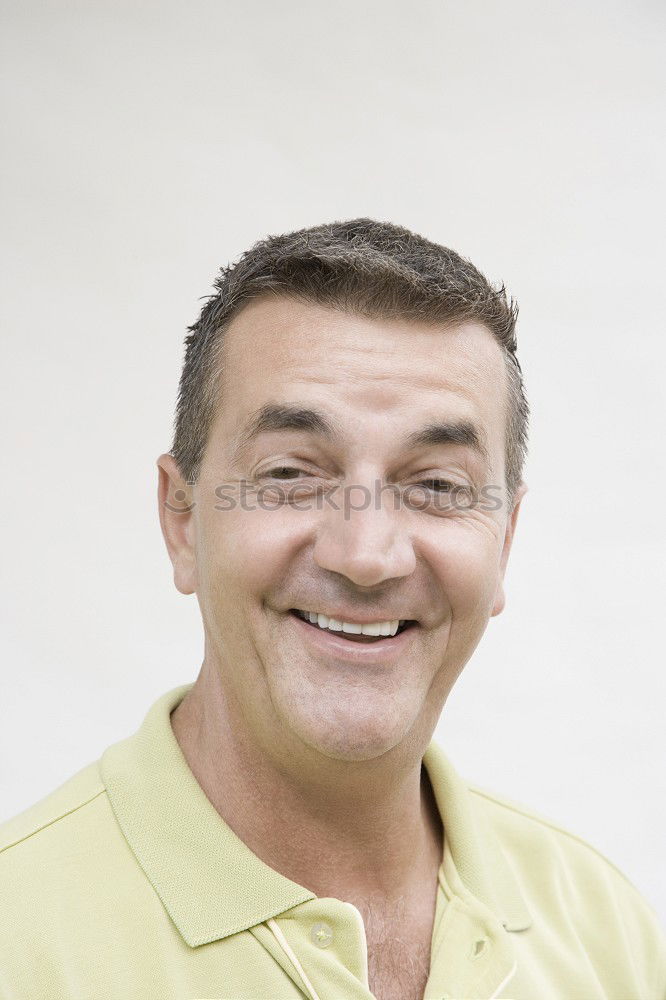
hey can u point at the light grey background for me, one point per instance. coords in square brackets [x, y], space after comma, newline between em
[150, 143]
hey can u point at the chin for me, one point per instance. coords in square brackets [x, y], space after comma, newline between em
[345, 737]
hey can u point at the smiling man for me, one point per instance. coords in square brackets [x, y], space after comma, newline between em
[341, 496]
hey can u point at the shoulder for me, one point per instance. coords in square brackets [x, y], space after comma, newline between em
[69, 885]
[524, 830]
[64, 864]
[562, 874]
[67, 820]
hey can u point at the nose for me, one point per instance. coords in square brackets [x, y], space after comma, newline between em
[365, 539]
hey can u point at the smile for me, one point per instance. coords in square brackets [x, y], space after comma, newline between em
[376, 633]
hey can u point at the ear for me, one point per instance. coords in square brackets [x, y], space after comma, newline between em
[176, 506]
[500, 597]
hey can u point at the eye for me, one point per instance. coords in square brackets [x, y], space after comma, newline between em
[281, 472]
[439, 485]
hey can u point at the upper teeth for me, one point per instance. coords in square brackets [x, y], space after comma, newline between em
[371, 628]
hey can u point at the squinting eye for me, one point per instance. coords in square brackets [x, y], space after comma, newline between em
[439, 483]
[278, 469]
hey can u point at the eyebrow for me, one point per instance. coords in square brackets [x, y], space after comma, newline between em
[274, 417]
[462, 432]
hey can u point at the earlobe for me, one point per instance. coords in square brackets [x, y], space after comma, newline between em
[500, 596]
[176, 506]
[500, 600]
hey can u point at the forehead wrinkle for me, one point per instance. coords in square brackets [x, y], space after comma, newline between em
[363, 375]
[466, 388]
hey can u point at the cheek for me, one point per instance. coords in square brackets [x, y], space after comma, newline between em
[244, 553]
[467, 566]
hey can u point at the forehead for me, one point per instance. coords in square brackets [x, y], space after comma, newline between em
[381, 372]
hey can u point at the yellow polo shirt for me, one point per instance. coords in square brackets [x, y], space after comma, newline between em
[126, 884]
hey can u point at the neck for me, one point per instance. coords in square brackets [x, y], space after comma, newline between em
[341, 829]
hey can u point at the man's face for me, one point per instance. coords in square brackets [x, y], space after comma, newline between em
[437, 560]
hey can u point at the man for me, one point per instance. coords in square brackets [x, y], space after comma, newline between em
[341, 495]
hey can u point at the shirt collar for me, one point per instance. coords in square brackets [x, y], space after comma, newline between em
[212, 884]
[473, 854]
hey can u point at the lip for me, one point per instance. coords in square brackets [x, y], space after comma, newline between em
[328, 643]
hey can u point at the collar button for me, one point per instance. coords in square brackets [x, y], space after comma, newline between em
[322, 935]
